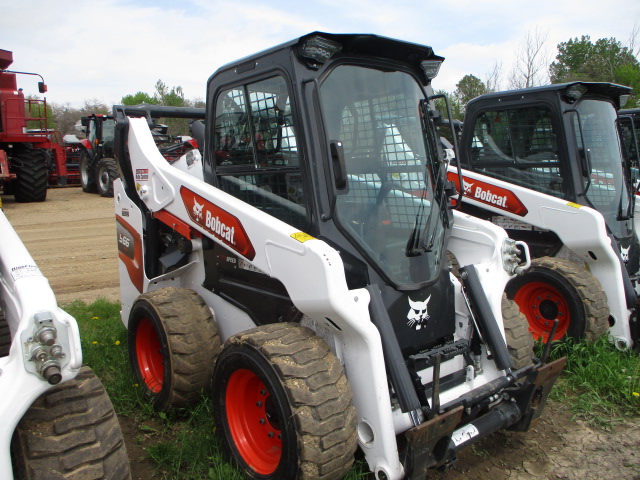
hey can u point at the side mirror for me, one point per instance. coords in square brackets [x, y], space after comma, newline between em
[339, 168]
[42, 87]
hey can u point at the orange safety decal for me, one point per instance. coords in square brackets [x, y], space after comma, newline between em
[130, 251]
[218, 222]
[493, 195]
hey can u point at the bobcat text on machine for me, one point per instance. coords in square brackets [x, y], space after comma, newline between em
[547, 164]
[312, 240]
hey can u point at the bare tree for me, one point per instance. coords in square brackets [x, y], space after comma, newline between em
[532, 59]
[634, 47]
[493, 77]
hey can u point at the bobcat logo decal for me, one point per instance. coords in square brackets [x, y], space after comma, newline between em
[418, 316]
[467, 188]
[624, 253]
[197, 210]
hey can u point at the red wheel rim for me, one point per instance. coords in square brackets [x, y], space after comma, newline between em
[542, 303]
[149, 355]
[254, 426]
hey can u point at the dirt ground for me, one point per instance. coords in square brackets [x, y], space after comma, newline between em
[72, 238]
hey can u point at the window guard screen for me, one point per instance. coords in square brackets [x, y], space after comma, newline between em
[519, 146]
[256, 152]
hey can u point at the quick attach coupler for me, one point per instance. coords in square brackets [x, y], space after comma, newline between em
[43, 351]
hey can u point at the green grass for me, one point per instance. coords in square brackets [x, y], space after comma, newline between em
[601, 384]
[104, 348]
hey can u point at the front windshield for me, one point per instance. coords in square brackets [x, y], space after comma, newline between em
[387, 208]
[108, 130]
[608, 184]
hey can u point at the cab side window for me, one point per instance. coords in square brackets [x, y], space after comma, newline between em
[255, 148]
[519, 146]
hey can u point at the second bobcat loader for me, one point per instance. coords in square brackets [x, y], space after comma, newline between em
[300, 268]
[548, 165]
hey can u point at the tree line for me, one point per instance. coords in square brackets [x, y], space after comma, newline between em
[64, 117]
[603, 60]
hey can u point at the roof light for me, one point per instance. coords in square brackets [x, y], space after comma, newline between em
[320, 49]
[431, 68]
[574, 92]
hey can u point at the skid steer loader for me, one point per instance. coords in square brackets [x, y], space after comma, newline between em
[312, 241]
[547, 164]
[57, 419]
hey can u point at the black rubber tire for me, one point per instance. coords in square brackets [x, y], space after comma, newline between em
[568, 284]
[106, 173]
[173, 344]
[307, 404]
[516, 330]
[31, 175]
[70, 432]
[7, 188]
[87, 177]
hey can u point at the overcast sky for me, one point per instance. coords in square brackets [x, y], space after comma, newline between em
[106, 49]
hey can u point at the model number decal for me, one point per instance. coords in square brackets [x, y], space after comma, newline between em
[130, 252]
[125, 241]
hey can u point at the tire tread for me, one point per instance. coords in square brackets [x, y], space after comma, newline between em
[82, 443]
[192, 338]
[319, 392]
[593, 296]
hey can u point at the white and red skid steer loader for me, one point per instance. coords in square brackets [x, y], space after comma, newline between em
[301, 267]
[57, 419]
[548, 165]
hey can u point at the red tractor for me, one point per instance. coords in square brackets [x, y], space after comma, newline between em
[27, 148]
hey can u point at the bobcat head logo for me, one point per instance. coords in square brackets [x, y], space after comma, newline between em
[624, 253]
[467, 188]
[197, 210]
[418, 315]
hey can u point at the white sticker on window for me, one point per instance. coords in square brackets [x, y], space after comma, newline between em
[464, 434]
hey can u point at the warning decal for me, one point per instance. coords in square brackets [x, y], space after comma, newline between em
[24, 271]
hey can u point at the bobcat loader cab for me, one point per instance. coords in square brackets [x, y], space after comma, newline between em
[319, 239]
[547, 164]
